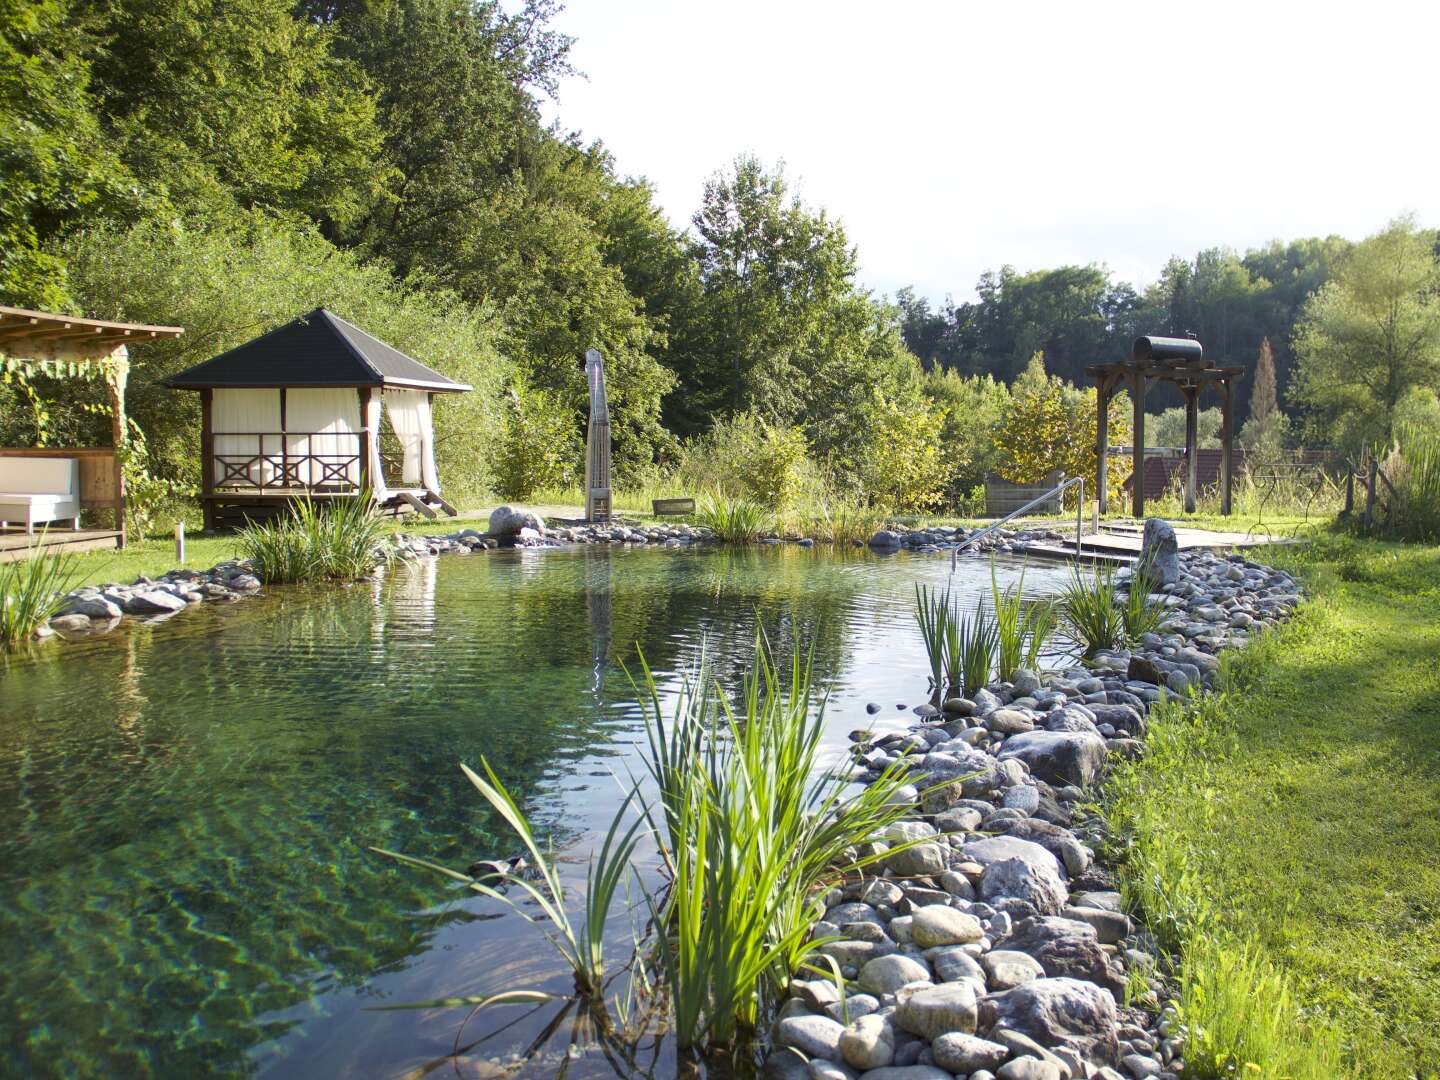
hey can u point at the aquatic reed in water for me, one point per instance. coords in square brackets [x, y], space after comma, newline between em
[31, 591]
[340, 540]
[1090, 613]
[1022, 630]
[733, 521]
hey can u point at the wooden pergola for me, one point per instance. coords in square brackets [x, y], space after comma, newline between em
[54, 344]
[1180, 362]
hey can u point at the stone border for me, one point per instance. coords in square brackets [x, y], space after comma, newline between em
[997, 948]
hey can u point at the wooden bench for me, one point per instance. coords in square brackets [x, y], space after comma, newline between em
[662, 507]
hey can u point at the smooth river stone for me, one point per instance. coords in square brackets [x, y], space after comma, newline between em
[935, 925]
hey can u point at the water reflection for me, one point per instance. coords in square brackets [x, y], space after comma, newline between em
[186, 808]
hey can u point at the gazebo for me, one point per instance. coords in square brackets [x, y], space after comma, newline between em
[53, 344]
[297, 413]
[1180, 362]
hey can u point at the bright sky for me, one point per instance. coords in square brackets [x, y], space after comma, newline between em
[955, 137]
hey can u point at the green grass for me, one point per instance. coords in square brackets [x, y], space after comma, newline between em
[1284, 835]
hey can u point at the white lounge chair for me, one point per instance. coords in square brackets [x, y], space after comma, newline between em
[39, 490]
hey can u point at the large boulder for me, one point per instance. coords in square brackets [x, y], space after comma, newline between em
[1159, 552]
[509, 520]
[1068, 1013]
[1017, 879]
[1066, 757]
[931, 1011]
[996, 849]
[1066, 948]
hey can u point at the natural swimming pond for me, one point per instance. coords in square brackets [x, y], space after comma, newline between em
[186, 808]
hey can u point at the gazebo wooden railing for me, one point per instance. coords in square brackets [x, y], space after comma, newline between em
[277, 465]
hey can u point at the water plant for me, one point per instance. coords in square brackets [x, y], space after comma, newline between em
[970, 647]
[1022, 630]
[31, 591]
[1090, 612]
[932, 613]
[1141, 613]
[339, 540]
[733, 521]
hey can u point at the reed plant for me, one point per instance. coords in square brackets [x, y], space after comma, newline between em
[1091, 613]
[31, 591]
[733, 520]
[932, 614]
[754, 831]
[836, 522]
[961, 648]
[1141, 613]
[1415, 466]
[340, 540]
[1022, 630]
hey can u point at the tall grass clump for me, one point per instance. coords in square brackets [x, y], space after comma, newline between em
[31, 591]
[1090, 611]
[1414, 469]
[751, 831]
[754, 831]
[733, 520]
[1021, 630]
[961, 648]
[340, 540]
[1141, 613]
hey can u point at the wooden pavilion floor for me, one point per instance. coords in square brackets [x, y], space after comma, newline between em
[15, 546]
[1119, 542]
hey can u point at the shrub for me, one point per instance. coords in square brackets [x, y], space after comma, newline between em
[904, 464]
[539, 444]
[31, 590]
[750, 458]
[340, 540]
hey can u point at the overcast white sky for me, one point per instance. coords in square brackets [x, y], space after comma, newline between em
[952, 138]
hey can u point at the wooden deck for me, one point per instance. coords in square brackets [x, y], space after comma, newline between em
[1119, 543]
[15, 546]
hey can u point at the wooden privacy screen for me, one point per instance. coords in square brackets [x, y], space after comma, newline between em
[99, 477]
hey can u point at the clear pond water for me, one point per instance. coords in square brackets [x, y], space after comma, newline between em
[186, 808]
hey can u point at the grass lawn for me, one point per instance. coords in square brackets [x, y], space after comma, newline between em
[1289, 831]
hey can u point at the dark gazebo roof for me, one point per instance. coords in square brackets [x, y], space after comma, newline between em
[317, 350]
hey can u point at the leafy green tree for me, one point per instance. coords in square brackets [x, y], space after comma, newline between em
[971, 408]
[1369, 337]
[55, 167]
[1265, 429]
[905, 464]
[227, 284]
[539, 445]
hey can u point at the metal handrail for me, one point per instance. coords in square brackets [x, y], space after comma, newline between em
[1058, 489]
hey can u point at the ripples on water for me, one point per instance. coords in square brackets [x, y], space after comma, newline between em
[185, 808]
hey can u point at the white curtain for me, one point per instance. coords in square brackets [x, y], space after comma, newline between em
[324, 423]
[376, 467]
[237, 418]
[409, 412]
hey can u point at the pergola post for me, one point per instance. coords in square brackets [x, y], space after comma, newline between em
[1137, 391]
[1227, 459]
[366, 482]
[207, 459]
[117, 374]
[1192, 440]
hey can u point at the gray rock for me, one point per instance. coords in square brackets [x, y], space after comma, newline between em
[868, 1043]
[1025, 681]
[935, 925]
[785, 1064]
[1029, 1068]
[1022, 797]
[885, 540]
[934, 1010]
[1017, 879]
[1010, 721]
[92, 607]
[1062, 1012]
[1143, 669]
[1111, 927]
[962, 1053]
[1067, 757]
[72, 623]
[1140, 1066]
[509, 520]
[954, 963]
[907, 1072]
[922, 860]
[153, 602]
[1008, 969]
[886, 974]
[999, 848]
[813, 1036]
[1159, 552]
[1066, 948]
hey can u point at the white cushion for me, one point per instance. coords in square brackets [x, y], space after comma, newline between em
[39, 476]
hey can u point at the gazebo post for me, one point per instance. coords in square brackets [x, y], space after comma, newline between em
[1227, 459]
[365, 436]
[1137, 390]
[1192, 440]
[207, 460]
[1102, 440]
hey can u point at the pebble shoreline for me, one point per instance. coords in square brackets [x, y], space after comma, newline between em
[997, 948]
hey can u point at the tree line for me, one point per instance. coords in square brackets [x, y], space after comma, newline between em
[231, 166]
